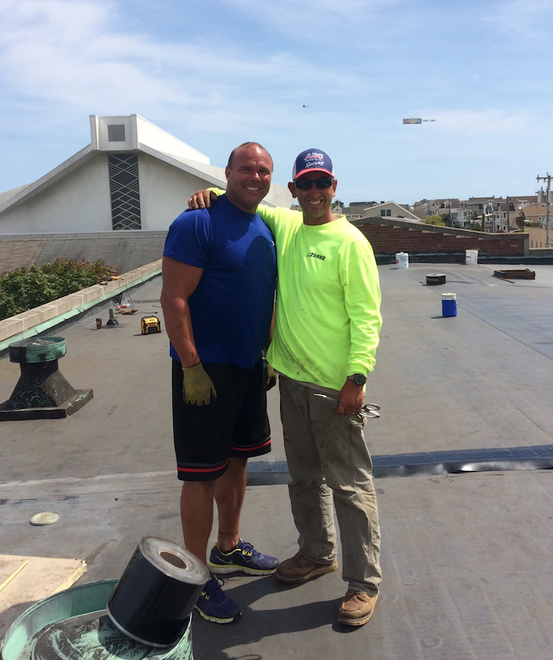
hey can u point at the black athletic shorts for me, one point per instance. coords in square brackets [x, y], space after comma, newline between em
[235, 424]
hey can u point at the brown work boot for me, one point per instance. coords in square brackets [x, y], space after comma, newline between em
[300, 568]
[357, 608]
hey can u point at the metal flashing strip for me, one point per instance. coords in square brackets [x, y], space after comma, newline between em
[538, 457]
[76, 311]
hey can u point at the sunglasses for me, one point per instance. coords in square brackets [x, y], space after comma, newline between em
[322, 183]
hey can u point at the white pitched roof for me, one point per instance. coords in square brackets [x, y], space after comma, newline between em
[133, 133]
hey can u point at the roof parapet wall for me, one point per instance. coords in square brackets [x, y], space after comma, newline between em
[388, 236]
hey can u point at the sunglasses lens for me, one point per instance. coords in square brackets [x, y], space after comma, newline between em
[305, 184]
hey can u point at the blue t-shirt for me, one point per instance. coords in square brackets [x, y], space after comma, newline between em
[232, 306]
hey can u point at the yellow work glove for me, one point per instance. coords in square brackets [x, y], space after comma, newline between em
[197, 386]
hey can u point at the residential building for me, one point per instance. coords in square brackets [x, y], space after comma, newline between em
[538, 237]
[357, 210]
[535, 214]
[495, 214]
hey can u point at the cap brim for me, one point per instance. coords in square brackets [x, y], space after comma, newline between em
[313, 169]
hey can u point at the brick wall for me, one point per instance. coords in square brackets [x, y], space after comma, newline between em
[422, 241]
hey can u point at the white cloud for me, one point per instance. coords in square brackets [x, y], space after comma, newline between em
[214, 73]
[526, 18]
[73, 55]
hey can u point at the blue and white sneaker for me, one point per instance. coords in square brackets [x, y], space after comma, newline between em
[243, 557]
[213, 605]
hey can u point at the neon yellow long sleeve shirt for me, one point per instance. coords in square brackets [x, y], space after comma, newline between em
[328, 300]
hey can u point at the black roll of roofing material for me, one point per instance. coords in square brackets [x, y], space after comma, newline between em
[154, 597]
[434, 279]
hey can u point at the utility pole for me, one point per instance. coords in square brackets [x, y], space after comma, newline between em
[547, 178]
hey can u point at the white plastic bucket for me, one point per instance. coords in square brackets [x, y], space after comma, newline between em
[471, 257]
[402, 260]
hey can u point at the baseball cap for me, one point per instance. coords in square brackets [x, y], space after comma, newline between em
[312, 160]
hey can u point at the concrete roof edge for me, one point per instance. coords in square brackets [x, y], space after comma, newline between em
[39, 319]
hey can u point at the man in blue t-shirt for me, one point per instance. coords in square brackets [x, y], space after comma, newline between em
[219, 274]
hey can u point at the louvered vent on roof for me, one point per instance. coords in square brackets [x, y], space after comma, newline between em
[125, 191]
[116, 132]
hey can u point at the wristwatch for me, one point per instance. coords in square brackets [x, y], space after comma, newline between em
[358, 379]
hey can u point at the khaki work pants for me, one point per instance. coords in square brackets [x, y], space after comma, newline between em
[329, 463]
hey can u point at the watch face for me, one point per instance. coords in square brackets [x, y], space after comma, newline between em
[359, 379]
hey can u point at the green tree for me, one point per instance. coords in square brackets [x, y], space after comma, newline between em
[25, 288]
[436, 220]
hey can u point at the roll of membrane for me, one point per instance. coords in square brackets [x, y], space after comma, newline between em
[154, 597]
[435, 279]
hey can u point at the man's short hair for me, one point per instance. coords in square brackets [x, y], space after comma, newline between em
[246, 144]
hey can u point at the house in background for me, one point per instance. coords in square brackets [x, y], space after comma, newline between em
[450, 209]
[465, 213]
[356, 210]
[502, 214]
[498, 214]
[132, 176]
[535, 214]
[538, 237]
[391, 210]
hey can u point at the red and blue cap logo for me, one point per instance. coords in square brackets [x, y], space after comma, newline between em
[312, 160]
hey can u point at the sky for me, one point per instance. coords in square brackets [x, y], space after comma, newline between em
[338, 75]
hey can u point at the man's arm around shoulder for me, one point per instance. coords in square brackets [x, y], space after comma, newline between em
[203, 199]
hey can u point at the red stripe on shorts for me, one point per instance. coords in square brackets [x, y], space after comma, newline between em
[264, 444]
[204, 470]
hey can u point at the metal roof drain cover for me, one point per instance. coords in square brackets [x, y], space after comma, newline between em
[45, 518]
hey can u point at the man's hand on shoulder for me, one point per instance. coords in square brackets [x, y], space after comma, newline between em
[202, 199]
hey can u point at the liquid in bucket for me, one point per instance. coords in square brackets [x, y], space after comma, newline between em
[449, 304]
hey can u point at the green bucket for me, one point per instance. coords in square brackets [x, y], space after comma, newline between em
[74, 625]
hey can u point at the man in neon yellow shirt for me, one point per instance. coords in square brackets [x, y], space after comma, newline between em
[325, 337]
